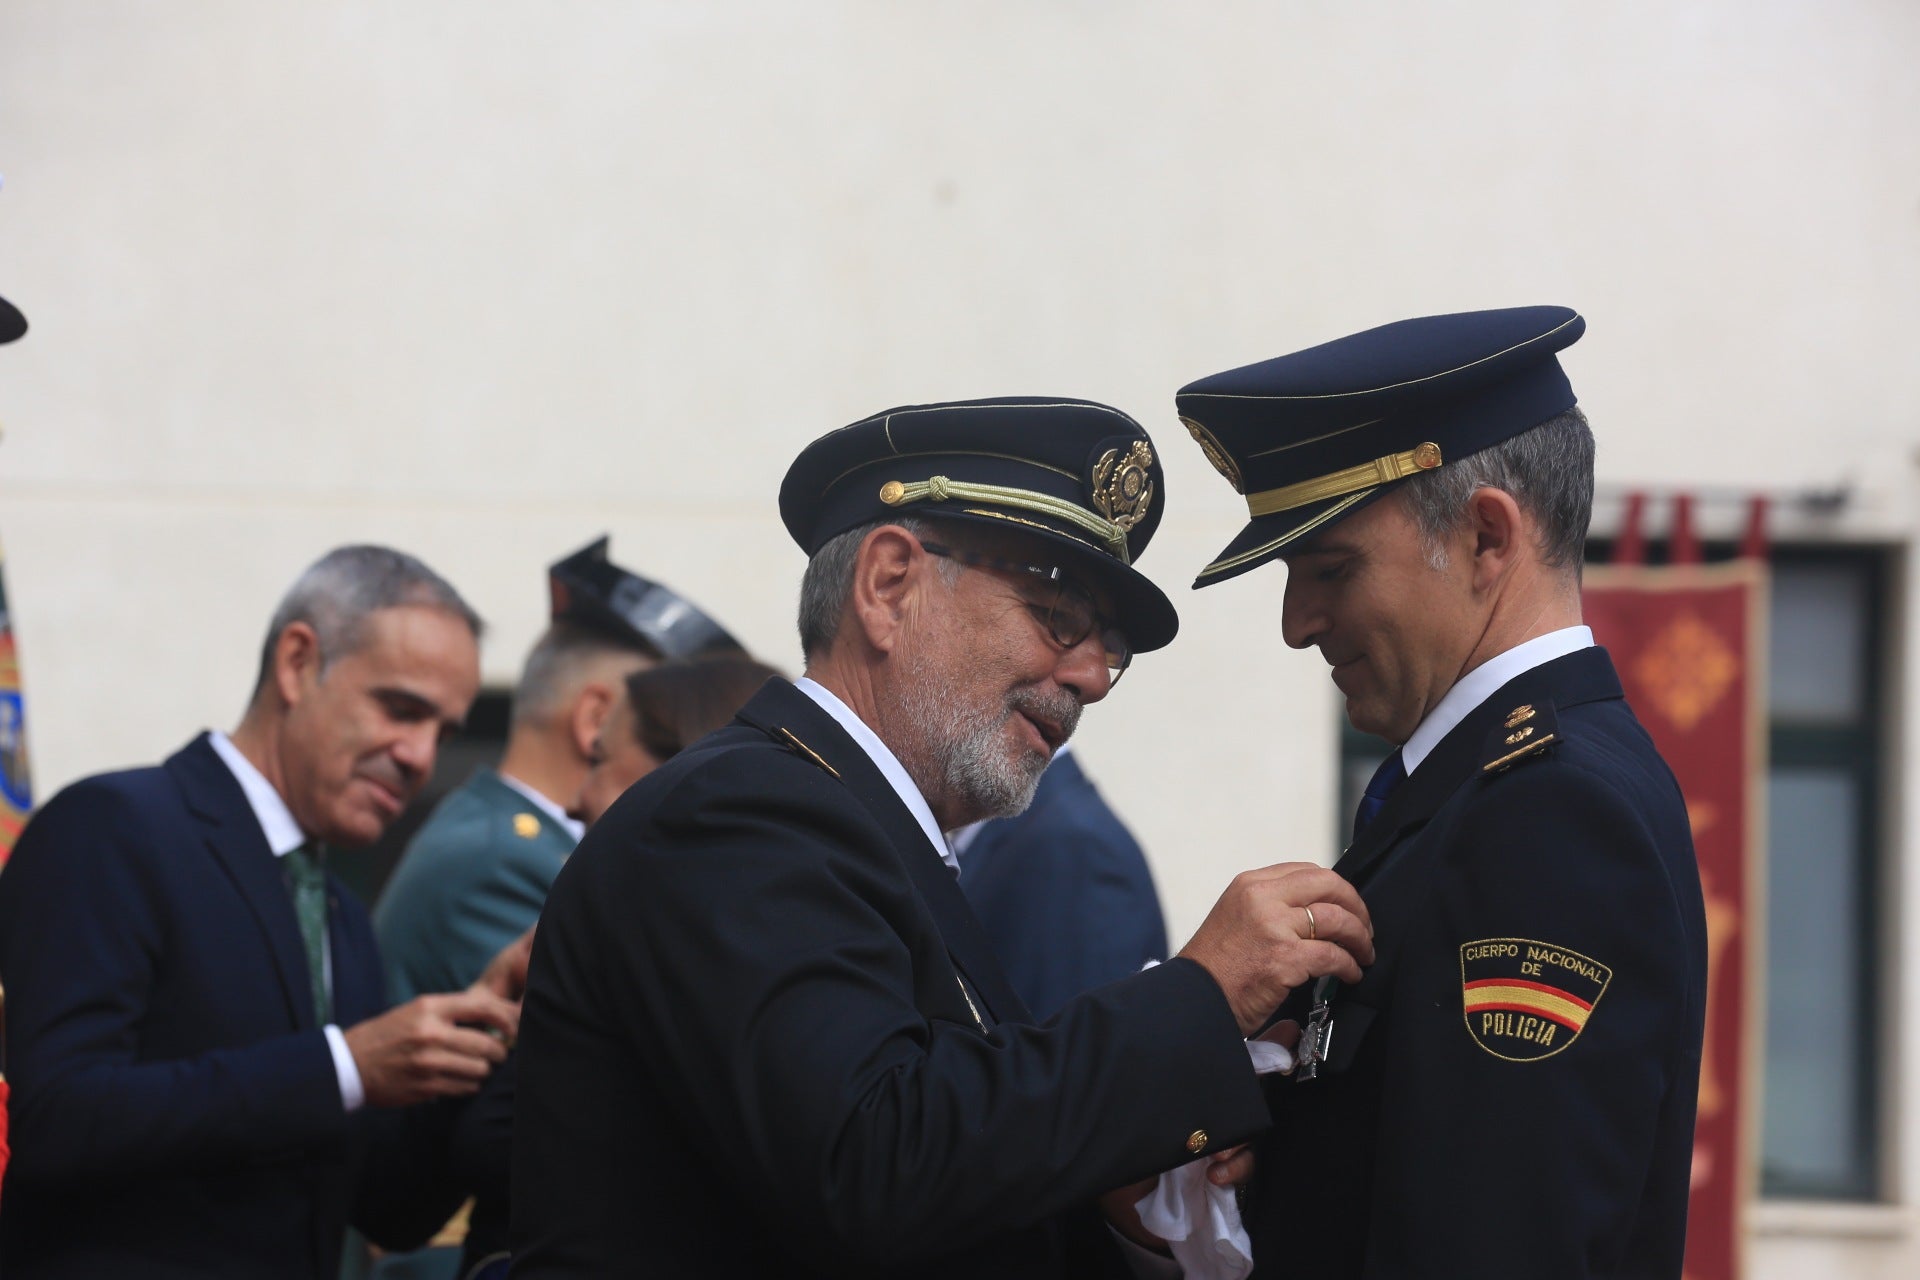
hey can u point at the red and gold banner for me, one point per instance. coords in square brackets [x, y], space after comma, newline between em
[1689, 641]
[16, 786]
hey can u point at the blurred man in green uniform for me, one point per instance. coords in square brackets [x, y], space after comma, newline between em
[475, 875]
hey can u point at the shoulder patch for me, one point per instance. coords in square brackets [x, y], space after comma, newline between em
[526, 826]
[799, 748]
[1525, 1000]
[1522, 733]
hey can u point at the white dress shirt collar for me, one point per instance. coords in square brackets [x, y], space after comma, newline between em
[572, 826]
[1480, 684]
[275, 819]
[889, 764]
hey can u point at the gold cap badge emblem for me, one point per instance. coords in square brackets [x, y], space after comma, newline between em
[1123, 487]
[1222, 461]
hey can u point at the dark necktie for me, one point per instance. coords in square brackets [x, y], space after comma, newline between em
[307, 879]
[1389, 775]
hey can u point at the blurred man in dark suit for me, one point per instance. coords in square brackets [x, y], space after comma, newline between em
[207, 1079]
[1063, 890]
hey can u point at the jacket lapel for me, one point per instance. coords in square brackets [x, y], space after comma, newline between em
[233, 835]
[1584, 676]
[797, 722]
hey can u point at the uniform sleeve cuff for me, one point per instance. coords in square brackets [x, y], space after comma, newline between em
[353, 1095]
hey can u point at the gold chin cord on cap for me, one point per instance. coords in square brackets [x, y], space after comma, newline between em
[896, 493]
[1395, 466]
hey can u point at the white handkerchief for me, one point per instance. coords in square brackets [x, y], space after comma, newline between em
[1199, 1221]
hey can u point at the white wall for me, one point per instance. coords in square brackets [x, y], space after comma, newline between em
[485, 279]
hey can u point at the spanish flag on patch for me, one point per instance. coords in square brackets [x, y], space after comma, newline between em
[1524, 1000]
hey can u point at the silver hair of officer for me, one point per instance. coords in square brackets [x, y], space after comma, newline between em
[338, 591]
[1549, 471]
[828, 582]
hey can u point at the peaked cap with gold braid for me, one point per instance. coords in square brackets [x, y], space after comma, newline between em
[1312, 437]
[1082, 478]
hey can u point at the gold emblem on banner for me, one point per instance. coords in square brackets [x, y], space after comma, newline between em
[1123, 487]
[1687, 670]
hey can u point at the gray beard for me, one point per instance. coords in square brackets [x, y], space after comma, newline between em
[963, 749]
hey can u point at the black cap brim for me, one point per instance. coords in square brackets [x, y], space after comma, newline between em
[13, 325]
[1268, 538]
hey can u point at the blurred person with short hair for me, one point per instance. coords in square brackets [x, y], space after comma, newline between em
[476, 873]
[660, 712]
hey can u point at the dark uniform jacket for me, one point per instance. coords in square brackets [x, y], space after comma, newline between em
[1063, 892]
[175, 1106]
[1510, 1091]
[765, 1036]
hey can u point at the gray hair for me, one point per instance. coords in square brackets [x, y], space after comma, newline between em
[828, 582]
[340, 590]
[1549, 471]
[558, 657]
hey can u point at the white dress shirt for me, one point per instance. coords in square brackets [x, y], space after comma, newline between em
[283, 837]
[1479, 684]
[889, 765]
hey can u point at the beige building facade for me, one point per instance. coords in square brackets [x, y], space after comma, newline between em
[487, 279]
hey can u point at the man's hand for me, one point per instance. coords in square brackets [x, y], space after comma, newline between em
[506, 974]
[421, 1050]
[1277, 928]
[1232, 1167]
[1120, 1208]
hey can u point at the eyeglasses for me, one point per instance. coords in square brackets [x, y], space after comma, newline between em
[1064, 607]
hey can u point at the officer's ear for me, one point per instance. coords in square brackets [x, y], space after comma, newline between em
[1501, 533]
[296, 661]
[588, 713]
[891, 572]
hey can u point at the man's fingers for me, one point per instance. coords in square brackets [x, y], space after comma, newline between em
[479, 1007]
[1312, 884]
[1332, 922]
[450, 1066]
[475, 1045]
[1330, 959]
[1232, 1167]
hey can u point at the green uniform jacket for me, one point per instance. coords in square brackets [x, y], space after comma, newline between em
[472, 880]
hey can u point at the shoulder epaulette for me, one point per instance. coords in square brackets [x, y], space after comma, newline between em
[1525, 732]
[801, 749]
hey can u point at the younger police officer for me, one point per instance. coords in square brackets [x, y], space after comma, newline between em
[1510, 1090]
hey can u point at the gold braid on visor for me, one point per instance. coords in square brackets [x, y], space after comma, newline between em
[1395, 466]
[895, 493]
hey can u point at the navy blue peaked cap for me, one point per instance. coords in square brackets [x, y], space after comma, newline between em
[1081, 477]
[589, 590]
[1311, 437]
[12, 323]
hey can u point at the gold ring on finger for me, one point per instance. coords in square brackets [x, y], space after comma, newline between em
[1313, 929]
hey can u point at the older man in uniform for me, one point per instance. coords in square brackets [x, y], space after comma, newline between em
[766, 1035]
[474, 876]
[1510, 1089]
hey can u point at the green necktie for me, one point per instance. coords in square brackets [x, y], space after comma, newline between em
[307, 878]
